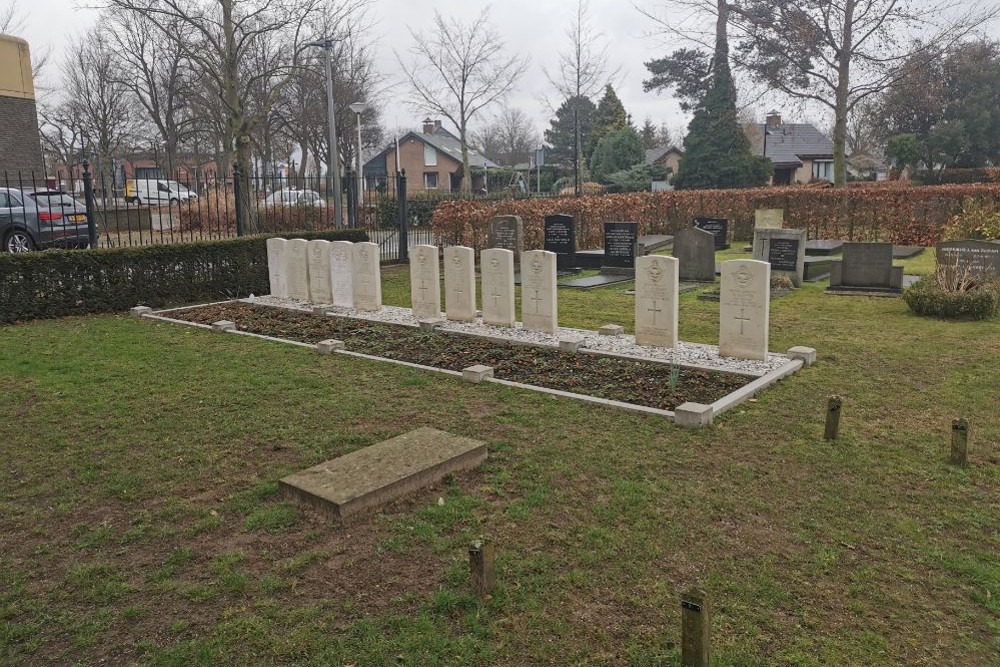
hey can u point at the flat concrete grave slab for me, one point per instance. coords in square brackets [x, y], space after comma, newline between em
[816, 268]
[600, 280]
[374, 476]
[823, 247]
[906, 251]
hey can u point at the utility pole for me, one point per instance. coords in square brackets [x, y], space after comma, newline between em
[333, 160]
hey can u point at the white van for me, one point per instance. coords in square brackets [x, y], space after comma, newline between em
[156, 192]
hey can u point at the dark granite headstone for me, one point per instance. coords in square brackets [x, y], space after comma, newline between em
[981, 259]
[506, 231]
[783, 254]
[695, 252]
[719, 227]
[866, 267]
[560, 238]
[619, 245]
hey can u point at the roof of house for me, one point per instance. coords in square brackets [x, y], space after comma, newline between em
[654, 154]
[790, 143]
[442, 140]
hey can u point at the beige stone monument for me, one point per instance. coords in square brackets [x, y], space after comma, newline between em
[539, 302]
[341, 273]
[297, 258]
[744, 309]
[425, 282]
[277, 267]
[460, 283]
[320, 290]
[656, 282]
[769, 218]
[366, 278]
[497, 269]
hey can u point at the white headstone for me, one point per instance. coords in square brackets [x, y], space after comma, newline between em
[744, 308]
[460, 283]
[539, 305]
[656, 281]
[497, 269]
[367, 278]
[425, 282]
[320, 290]
[297, 261]
[277, 267]
[341, 273]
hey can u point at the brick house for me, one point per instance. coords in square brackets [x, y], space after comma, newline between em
[20, 142]
[432, 160]
[799, 152]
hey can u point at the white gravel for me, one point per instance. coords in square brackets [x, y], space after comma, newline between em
[685, 354]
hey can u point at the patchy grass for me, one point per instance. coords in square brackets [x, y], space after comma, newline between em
[141, 526]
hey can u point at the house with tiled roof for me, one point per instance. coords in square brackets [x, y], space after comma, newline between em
[799, 152]
[668, 157]
[432, 160]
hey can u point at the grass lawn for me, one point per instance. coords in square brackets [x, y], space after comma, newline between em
[140, 522]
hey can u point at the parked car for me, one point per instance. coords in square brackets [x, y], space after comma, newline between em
[287, 197]
[156, 192]
[36, 218]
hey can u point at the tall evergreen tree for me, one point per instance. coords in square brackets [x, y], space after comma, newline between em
[610, 117]
[560, 137]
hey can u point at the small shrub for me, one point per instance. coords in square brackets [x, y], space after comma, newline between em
[977, 220]
[931, 298]
[781, 281]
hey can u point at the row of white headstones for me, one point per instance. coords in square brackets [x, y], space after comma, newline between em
[347, 275]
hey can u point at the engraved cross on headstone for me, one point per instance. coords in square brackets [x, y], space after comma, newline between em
[536, 299]
[654, 310]
[496, 297]
[742, 319]
[423, 290]
[460, 292]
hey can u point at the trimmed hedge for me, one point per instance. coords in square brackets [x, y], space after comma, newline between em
[56, 283]
[928, 299]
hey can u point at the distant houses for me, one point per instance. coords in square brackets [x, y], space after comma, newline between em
[799, 152]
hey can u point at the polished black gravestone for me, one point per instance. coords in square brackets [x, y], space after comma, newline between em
[560, 238]
[719, 227]
[617, 258]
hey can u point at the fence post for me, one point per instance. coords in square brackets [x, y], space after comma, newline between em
[88, 198]
[352, 199]
[403, 215]
[238, 196]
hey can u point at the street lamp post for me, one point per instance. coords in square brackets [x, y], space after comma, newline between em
[359, 108]
[333, 162]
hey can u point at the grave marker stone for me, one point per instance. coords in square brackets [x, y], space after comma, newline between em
[297, 255]
[366, 280]
[320, 286]
[769, 218]
[619, 247]
[277, 268]
[425, 282]
[719, 227]
[866, 267]
[744, 302]
[539, 305]
[695, 251]
[460, 283]
[497, 269]
[507, 232]
[656, 283]
[560, 238]
[342, 273]
[979, 259]
[784, 250]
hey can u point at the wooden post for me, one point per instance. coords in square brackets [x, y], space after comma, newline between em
[833, 418]
[482, 572]
[960, 442]
[695, 623]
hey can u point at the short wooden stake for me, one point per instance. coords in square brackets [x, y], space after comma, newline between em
[482, 572]
[696, 620]
[833, 418]
[960, 442]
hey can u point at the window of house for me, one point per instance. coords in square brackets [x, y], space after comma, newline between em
[430, 156]
[823, 169]
[430, 180]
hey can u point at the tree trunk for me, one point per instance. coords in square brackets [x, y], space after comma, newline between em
[721, 56]
[840, 97]
[466, 187]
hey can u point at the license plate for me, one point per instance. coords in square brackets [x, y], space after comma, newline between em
[78, 218]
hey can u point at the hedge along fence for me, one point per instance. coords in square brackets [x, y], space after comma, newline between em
[55, 283]
[902, 215]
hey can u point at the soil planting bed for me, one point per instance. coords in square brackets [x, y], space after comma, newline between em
[628, 381]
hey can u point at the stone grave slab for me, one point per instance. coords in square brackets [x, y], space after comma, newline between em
[507, 232]
[865, 267]
[342, 273]
[600, 280]
[297, 255]
[824, 247]
[620, 240]
[906, 251]
[425, 282]
[372, 477]
[366, 280]
[647, 245]
[277, 267]
[320, 287]
[744, 309]
[497, 271]
[539, 300]
[695, 251]
[784, 250]
[656, 280]
[769, 218]
[816, 268]
[979, 259]
[590, 259]
[560, 238]
[719, 227]
[460, 283]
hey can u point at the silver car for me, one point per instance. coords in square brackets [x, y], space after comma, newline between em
[37, 218]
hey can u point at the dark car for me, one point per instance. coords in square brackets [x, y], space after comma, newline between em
[36, 218]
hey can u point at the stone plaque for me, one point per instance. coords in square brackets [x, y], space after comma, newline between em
[460, 283]
[783, 249]
[277, 267]
[719, 227]
[695, 251]
[367, 277]
[425, 282]
[320, 289]
[539, 305]
[297, 254]
[560, 234]
[979, 259]
[769, 218]
[656, 281]
[744, 309]
[867, 265]
[507, 232]
[497, 270]
[619, 244]
[341, 273]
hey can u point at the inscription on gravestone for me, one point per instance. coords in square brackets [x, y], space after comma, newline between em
[619, 244]
[560, 234]
[506, 233]
[980, 259]
[719, 227]
[783, 254]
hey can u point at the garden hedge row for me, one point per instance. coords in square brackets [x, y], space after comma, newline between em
[55, 283]
[903, 215]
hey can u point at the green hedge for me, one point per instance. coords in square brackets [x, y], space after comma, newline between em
[928, 299]
[55, 283]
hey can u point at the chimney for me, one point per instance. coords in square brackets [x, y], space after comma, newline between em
[773, 119]
[437, 125]
[429, 125]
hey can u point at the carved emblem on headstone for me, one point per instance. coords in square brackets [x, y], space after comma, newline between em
[494, 265]
[536, 265]
[655, 273]
[743, 277]
[422, 257]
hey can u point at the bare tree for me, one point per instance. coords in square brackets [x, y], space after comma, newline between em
[508, 139]
[11, 20]
[457, 71]
[61, 129]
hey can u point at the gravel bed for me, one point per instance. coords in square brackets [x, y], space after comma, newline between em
[692, 354]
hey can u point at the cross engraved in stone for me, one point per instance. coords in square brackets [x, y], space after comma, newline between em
[365, 283]
[536, 299]
[459, 292]
[742, 319]
[654, 310]
[423, 290]
[496, 298]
